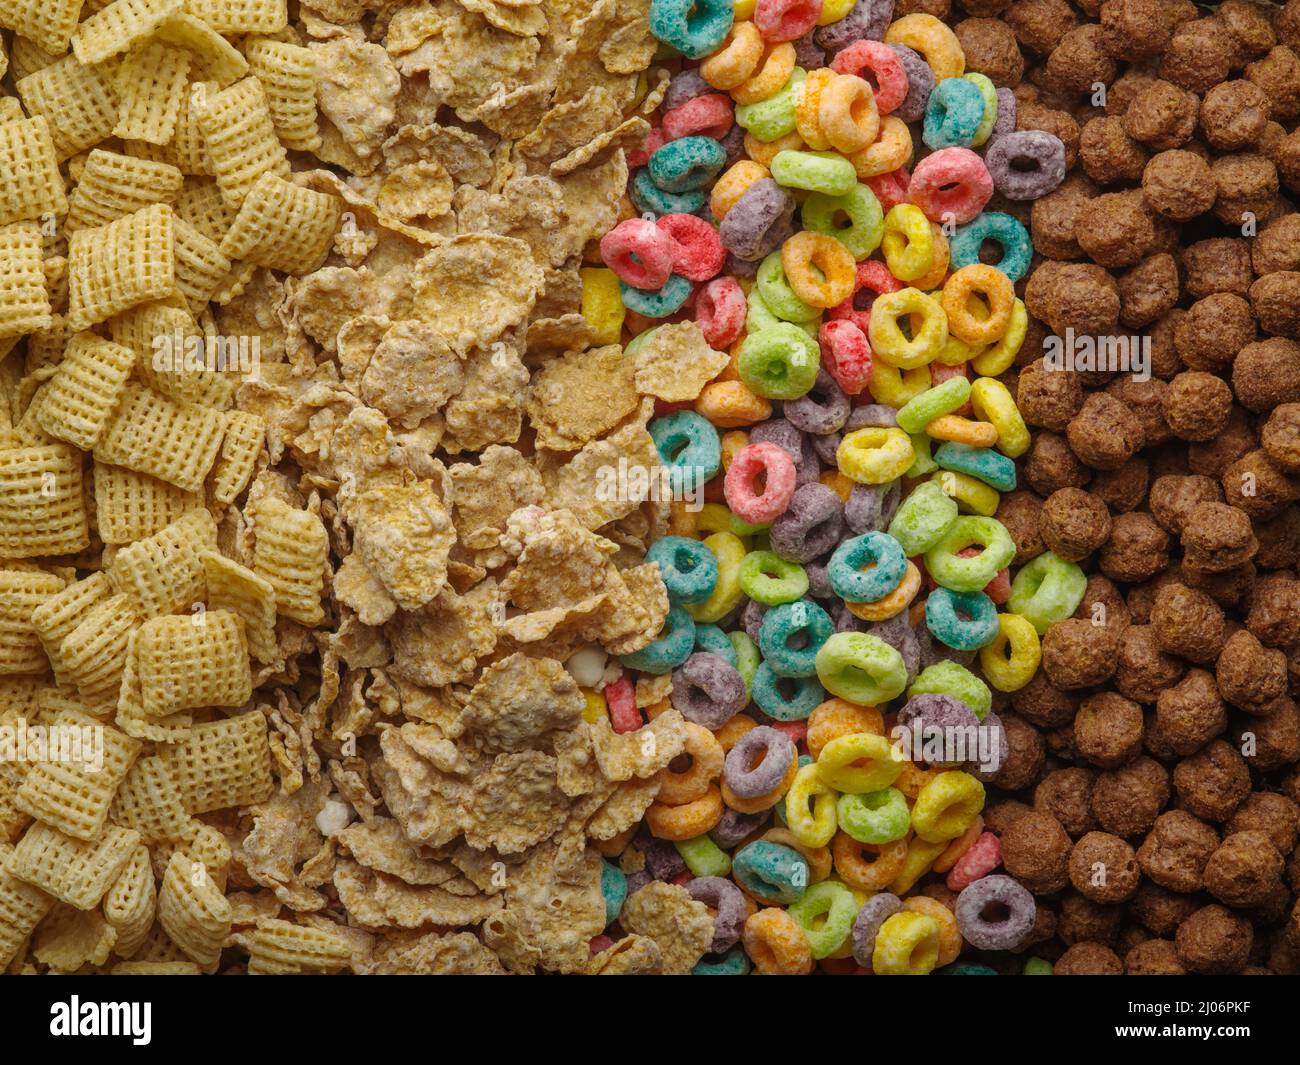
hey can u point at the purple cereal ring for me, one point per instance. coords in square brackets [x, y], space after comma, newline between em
[933, 651]
[901, 637]
[826, 447]
[1006, 120]
[759, 222]
[780, 432]
[663, 861]
[823, 409]
[920, 83]
[636, 881]
[808, 54]
[741, 268]
[870, 507]
[875, 912]
[684, 87]
[933, 714]
[734, 145]
[751, 618]
[819, 581]
[708, 690]
[995, 913]
[1026, 164]
[868, 20]
[811, 525]
[733, 826]
[871, 416]
[846, 621]
[997, 745]
[728, 903]
[758, 762]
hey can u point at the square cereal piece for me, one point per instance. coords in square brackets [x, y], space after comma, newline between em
[75, 404]
[240, 448]
[200, 265]
[79, 102]
[94, 653]
[21, 592]
[282, 948]
[152, 81]
[241, 16]
[162, 574]
[113, 186]
[290, 552]
[149, 801]
[131, 903]
[241, 591]
[241, 140]
[221, 764]
[74, 871]
[61, 613]
[185, 150]
[46, 23]
[27, 57]
[201, 204]
[131, 506]
[131, 717]
[31, 186]
[193, 661]
[24, 301]
[42, 506]
[149, 433]
[123, 23]
[283, 226]
[193, 911]
[22, 907]
[115, 267]
[288, 75]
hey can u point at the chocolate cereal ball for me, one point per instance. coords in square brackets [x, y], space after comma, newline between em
[1108, 729]
[1052, 465]
[1257, 486]
[1135, 29]
[1213, 782]
[1105, 433]
[1066, 794]
[1214, 329]
[1188, 623]
[1024, 757]
[1089, 959]
[1217, 264]
[1082, 297]
[1137, 550]
[1233, 115]
[1214, 941]
[1273, 815]
[1274, 617]
[1273, 741]
[1277, 246]
[999, 816]
[1250, 28]
[1175, 851]
[1279, 539]
[1144, 669]
[1116, 232]
[1197, 405]
[1278, 76]
[1109, 155]
[1043, 704]
[1054, 218]
[1267, 373]
[1246, 184]
[1250, 675]
[1274, 298]
[1280, 437]
[1191, 713]
[1103, 603]
[1159, 910]
[1078, 62]
[1047, 397]
[1217, 538]
[1148, 291]
[1126, 801]
[1084, 921]
[1036, 851]
[1244, 871]
[1161, 116]
[1177, 184]
[1123, 489]
[1074, 523]
[1174, 496]
[1104, 869]
[1039, 25]
[1214, 456]
[1198, 57]
[1078, 654]
[991, 49]
[1019, 513]
[1154, 957]
[1146, 399]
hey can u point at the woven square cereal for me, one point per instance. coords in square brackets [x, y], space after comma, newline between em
[113, 186]
[241, 591]
[200, 265]
[240, 447]
[152, 81]
[27, 57]
[193, 911]
[282, 948]
[223, 763]
[30, 183]
[24, 300]
[130, 506]
[73, 795]
[131, 717]
[94, 653]
[283, 226]
[22, 907]
[75, 403]
[193, 661]
[42, 507]
[161, 333]
[46, 23]
[123, 23]
[149, 433]
[21, 592]
[290, 552]
[201, 204]
[241, 140]
[162, 574]
[185, 150]
[215, 57]
[63, 612]
[115, 267]
[241, 16]
[80, 103]
[288, 76]
[149, 801]
[131, 903]
[11, 109]
[74, 871]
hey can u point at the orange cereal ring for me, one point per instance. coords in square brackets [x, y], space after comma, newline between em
[807, 108]
[688, 820]
[774, 70]
[677, 789]
[820, 270]
[949, 933]
[863, 873]
[776, 944]
[962, 431]
[820, 862]
[848, 117]
[730, 404]
[732, 442]
[764, 152]
[892, 149]
[839, 717]
[913, 778]
[933, 278]
[682, 521]
[839, 484]
[736, 59]
[733, 183]
[762, 802]
[895, 602]
[730, 733]
[959, 846]
[996, 289]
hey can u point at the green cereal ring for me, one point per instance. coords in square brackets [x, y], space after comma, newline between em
[778, 295]
[949, 678]
[768, 578]
[923, 518]
[1047, 590]
[970, 574]
[747, 657]
[866, 220]
[861, 668]
[826, 172]
[1038, 967]
[920, 411]
[989, 93]
[826, 914]
[779, 363]
[758, 316]
[773, 118]
[703, 857]
[923, 462]
[875, 816]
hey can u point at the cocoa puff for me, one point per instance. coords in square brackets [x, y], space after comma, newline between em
[1141, 597]
[1060, 743]
[1044, 929]
[1214, 456]
[1273, 741]
[940, 9]
[1250, 28]
[1066, 794]
[1048, 397]
[1115, 231]
[1089, 959]
[1154, 957]
[1052, 465]
[1036, 851]
[1102, 603]
[1176, 849]
[1148, 290]
[1245, 871]
[1074, 523]
[1108, 154]
[1145, 397]
[1213, 782]
[1217, 264]
[1250, 676]
[1078, 62]
[1278, 76]
[1214, 329]
[1164, 353]
[1019, 512]
[1230, 589]
[1105, 432]
[1025, 755]
[1108, 729]
[1214, 941]
[1126, 801]
[1277, 246]
[1284, 151]
[1161, 116]
[1083, 921]
[1198, 57]
[1051, 120]
[1127, 88]
[1123, 489]
[1082, 297]
[1078, 654]
[1287, 23]
[1217, 538]
[1104, 869]
[1135, 29]
[991, 49]
[1233, 115]
[1273, 815]
[1274, 617]
[999, 816]
[1258, 487]
[1273, 298]
[1040, 24]
[1191, 713]
[1144, 669]
[1173, 497]
[1267, 373]
[1197, 405]
[1280, 437]
[1159, 910]
[1054, 217]
[1041, 703]
[1279, 539]
[1188, 623]
[1137, 549]
[1246, 184]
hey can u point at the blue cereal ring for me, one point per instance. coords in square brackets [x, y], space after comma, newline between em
[791, 635]
[647, 196]
[657, 303]
[855, 585]
[953, 114]
[613, 885]
[771, 872]
[766, 690]
[734, 963]
[670, 649]
[1003, 229]
[687, 164]
[694, 27]
[688, 568]
[991, 467]
[689, 448]
[964, 621]
[712, 639]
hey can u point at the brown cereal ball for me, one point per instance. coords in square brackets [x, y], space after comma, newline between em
[1274, 617]
[1039, 25]
[1230, 589]
[1188, 623]
[984, 8]
[1217, 538]
[1109, 155]
[1213, 782]
[1278, 76]
[1066, 794]
[1271, 742]
[1078, 62]
[940, 9]
[1060, 744]
[1165, 362]
[1197, 405]
[1159, 910]
[1084, 921]
[1078, 654]
[1048, 398]
[1191, 713]
[991, 49]
[1277, 247]
[1272, 909]
[1287, 23]
[1148, 291]
[1258, 487]
[1036, 851]
[1084, 298]
[1284, 151]
[1108, 729]
[1214, 941]
[1019, 514]
[1126, 801]
[1161, 116]
[1105, 433]
[1233, 115]
[1054, 218]
[1250, 28]
[1001, 815]
[1102, 603]
[1137, 550]
[1089, 959]
[1043, 704]
[1268, 373]
[1104, 869]
[1135, 29]
[1155, 957]
[1127, 88]
[1272, 143]
[1141, 598]
[1214, 456]
[1144, 669]
[1116, 231]
[1217, 264]
[1279, 539]
[1074, 523]
[1214, 329]
[1280, 437]
[1250, 675]
[1173, 497]
[1270, 814]
[1123, 489]
[1245, 871]
[1246, 184]
[1176, 849]
[1275, 299]
[1198, 57]
[1145, 397]
[1025, 755]
[1052, 465]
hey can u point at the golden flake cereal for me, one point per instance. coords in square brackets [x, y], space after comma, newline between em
[149, 433]
[201, 204]
[21, 592]
[113, 186]
[290, 552]
[30, 183]
[117, 266]
[74, 871]
[64, 611]
[73, 794]
[218, 59]
[241, 591]
[281, 948]
[676, 362]
[42, 506]
[192, 911]
[240, 447]
[283, 226]
[288, 76]
[24, 302]
[162, 574]
[69, 939]
[131, 903]
[22, 907]
[241, 140]
[130, 506]
[76, 402]
[46, 23]
[149, 801]
[154, 968]
[192, 661]
[120, 25]
[80, 103]
[241, 16]
[200, 265]
[94, 653]
[224, 763]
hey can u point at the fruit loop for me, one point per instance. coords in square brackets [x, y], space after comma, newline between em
[951, 183]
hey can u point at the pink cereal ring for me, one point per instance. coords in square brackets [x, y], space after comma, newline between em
[878, 65]
[640, 252]
[786, 20]
[705, 116]
[890, 188]
[999, 588]
[700, 253]
[620, 701]
[654, 140]
[846, 354]
[720, 311]
[872, 278]
[951, 181]
[776, 467]
[796, 730]
[984, 856]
